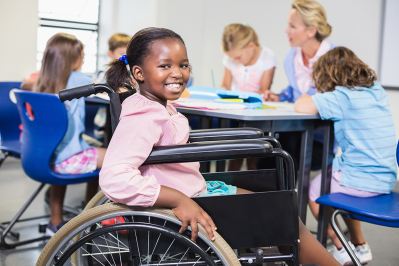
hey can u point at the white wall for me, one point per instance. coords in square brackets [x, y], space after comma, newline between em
[356, 24]
[390, 42]
[18, 29]
[125, 16]
[202, 25]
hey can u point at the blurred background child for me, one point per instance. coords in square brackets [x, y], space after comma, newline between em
[117, 45]
[248, 67]
[61, 64]
[364, 130]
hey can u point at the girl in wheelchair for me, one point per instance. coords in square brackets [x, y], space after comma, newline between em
[157, 64]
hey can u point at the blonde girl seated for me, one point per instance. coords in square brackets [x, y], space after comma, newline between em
[248, 66]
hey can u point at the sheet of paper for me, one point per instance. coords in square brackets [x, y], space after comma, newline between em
[208, 105]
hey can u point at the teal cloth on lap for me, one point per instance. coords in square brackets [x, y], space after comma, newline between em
[218, 188]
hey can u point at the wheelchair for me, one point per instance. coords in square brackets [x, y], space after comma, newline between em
[115, 234]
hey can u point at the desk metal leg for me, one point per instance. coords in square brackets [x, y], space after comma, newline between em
[324, 214]
[205, 121]
[305, 162]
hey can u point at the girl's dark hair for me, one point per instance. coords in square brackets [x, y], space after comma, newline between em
[341, 67]
[138, 48]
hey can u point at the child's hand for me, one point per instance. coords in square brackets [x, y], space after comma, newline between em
[190, 214]
[270, 96]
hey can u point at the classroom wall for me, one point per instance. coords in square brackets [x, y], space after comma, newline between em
[356, 24]
[18, 29]
[125, 16]
[202, 27]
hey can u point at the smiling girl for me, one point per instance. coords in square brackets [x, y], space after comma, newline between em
[157, 60]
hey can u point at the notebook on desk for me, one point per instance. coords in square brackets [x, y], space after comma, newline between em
[215, 98]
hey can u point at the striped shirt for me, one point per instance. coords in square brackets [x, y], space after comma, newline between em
[365, 132]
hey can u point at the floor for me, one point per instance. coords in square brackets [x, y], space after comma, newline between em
[15, 187]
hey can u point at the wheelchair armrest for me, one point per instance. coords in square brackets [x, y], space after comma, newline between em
[212, 150]
[225, 134]
[222, 150]
[272, 140]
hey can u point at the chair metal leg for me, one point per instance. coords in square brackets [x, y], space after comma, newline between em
[341, 237]
[15, 219]
[3, 157]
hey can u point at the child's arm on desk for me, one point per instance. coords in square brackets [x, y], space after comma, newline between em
[266, 81]
[305, 104]
[227, 79]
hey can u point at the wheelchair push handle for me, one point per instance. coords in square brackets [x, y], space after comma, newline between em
[84, 91]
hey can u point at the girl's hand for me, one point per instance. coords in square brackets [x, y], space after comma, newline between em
[270, 96]
[190, 214]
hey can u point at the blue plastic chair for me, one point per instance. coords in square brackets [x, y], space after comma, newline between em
[9, 122]
[43, 129]
[380, 210]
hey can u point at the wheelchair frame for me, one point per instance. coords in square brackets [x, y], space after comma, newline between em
[276, 224]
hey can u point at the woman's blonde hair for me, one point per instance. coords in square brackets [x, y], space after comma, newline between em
[237, 36]
[313, 14]
[341, 67]
[62, 52]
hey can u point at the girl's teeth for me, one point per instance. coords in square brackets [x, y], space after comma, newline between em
[173, 86]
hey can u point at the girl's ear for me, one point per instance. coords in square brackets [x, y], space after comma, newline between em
[138, 73]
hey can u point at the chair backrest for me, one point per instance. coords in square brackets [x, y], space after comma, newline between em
[45, 121]
[9, 118]
[397, 153]
[90, 114]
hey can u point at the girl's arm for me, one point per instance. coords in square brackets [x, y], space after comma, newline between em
[265, 84]
[266, 80]
[305, 104]
[122, 181]
[186, 210]
[227, 79]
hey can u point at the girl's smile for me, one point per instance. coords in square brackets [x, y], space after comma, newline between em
[165, 71]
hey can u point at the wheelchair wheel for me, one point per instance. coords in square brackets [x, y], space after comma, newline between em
[97, 200]
[113, 234]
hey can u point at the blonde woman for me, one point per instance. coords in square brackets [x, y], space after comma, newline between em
[307, 32]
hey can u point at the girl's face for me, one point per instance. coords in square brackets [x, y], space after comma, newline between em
[165, 71]
[298, 33]
[243, 56]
